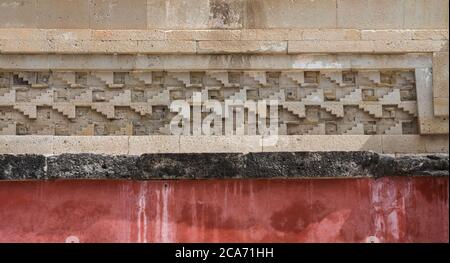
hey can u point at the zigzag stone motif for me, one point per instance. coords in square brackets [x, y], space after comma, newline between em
[62, 102]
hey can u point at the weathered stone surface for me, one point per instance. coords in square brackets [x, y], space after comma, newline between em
[247, 46]
[226, 14]
[440, 83]
[364, 14]
[190, 166]
[91, 166]
[426, 14]
[62, 14]
[19, 167]
[220, 165]
[430, 165]
[118, 14]
[367, 46]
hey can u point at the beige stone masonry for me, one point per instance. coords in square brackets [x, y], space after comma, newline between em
[440, 84]
[378, 46]
[224, 47]
[225, 14]
[78, 41]
[205, 144]
[136, 145]
[293, 143]
[429, 123]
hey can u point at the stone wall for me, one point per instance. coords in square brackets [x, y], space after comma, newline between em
[225, 14]
[367, 74]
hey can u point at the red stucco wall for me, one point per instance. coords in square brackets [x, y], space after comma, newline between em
[395, 209]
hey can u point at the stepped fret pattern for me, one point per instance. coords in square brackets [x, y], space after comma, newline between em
[341, 102]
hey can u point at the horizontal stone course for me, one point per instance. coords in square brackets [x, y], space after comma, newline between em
[221, 41]
[220, 165]
[136, 145]
[234, 14]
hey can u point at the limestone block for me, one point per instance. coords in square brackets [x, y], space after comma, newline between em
[99, 46]
[203, 35]
[154, 144]
[220, 47]
[331, 34]
[90, 144]
[440, 106]
[117, 34]
[111, 14]
[387, 34]
[433, 125]
[170, 46]
[62, 14]
[426, 14]
[10, 144]
[195, 14]
[431, 34]
[291, 14]
[436, 143]
[178, 14]
[403, 144]
[428, 122]
[18, 13]
[315, 46]
[217, 144]
[379, 46]
[440, 83]
[389, 46]
[23, 33]
[64, 34]
[25, 46]
[271, 34]
[294, 143]
[226, 13]
[369, 14]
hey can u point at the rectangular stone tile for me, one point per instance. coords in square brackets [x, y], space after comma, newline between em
[25, 46]
[271, 34]
[218, 144]
[169, 46]
[90, 144]
[332, 34]
[431, 34]
[403, 144]
[67, 34]
[154, 144]
[203, 35]
[95, 46]
[62, 14]
[440, 106]
[12, 144]
[367, 46]
[440, 83]
[397, 34]
[18, 13]
[426, 14]
[113, 14]
[22, 33]
[294, 143]
[436, 143]
[433, 125]
[178, 14]
[370, 14]
[117, 34]
[222, 47]
[290, 14]
[428, 122]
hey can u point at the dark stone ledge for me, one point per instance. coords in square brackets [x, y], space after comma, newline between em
[220, 165]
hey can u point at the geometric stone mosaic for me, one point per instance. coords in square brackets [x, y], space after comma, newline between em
[138, 102]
